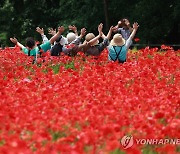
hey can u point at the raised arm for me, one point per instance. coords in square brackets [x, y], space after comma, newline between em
[135, 28]
[83, 32]
[115, 28]
[41, 32]
[77, 41]
[109, 33]
[15, 41]
[60, 31]
[91, 42]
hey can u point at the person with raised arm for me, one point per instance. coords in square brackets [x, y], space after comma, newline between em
[119, 47]
[31, 48]
[74, 46]
[124, 28]
[56, 47]
[93, 47]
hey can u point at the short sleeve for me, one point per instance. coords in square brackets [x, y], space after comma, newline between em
[25, 50]
[44, 38]
[46, 46]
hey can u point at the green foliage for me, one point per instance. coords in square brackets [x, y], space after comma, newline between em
[70, 65]
[117, 151]
[157, 24]
[2, 142]
[148, 149]
[6, 12]
[56, 135]
[178, 149]
[3, 37]
[55, 68]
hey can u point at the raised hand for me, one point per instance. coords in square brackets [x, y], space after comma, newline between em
[100, 27]
[14, 40]
[111, 29]
[121, 23]
[135, 25]
[115, 29]
[54, 37]
[83, 31]
[40, 30]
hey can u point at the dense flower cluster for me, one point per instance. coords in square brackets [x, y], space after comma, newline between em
[86, 105]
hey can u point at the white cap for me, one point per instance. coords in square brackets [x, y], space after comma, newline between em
[71, 37]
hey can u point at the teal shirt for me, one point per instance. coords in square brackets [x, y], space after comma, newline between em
[45, 47]
[119, 52]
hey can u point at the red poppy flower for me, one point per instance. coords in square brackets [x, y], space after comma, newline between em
[136, 39]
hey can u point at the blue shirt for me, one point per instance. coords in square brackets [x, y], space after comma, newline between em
[119, 52]
[124, 32]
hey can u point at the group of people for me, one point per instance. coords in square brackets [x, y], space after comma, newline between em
[71, 44]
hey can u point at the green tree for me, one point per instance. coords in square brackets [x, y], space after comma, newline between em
[6, 11]
[158, 20]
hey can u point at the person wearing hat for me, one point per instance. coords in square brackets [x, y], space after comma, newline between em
[93, 47]
[74, 43]
[56, 47]
[62, 44]
[118, 47]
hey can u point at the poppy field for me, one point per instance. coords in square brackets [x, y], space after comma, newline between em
[85, 104]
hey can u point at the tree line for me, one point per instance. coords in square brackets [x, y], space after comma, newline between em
[158, 20]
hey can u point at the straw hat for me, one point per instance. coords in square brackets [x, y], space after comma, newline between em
[117, 40]
[70, 37]
[89, 37]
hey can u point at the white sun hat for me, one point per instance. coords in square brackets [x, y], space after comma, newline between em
[70, 37]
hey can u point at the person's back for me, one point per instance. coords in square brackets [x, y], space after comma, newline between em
[31, 49]
[74, 43]
[118, 47]
[94, 48]
[56, 48]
